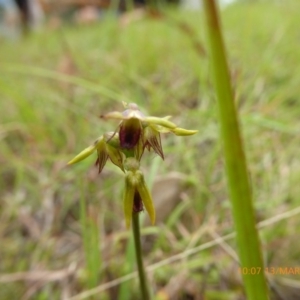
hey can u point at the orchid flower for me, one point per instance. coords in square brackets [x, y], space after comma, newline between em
[125, 148]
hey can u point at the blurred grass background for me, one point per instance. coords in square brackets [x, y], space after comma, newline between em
[53, 86]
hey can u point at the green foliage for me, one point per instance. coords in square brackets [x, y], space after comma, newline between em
[91, 242]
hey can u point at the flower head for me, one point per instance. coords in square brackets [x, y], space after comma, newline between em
[125, 147]
[137, 131]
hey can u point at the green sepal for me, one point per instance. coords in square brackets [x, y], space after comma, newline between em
[183, 132]
[115, 156]
[82, 155]
[161, 129]
[128, 199]
[102, 153]
[146, 197]
[102, 159]
[160, 121]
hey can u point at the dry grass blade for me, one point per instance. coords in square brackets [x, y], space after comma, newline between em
[44, 276]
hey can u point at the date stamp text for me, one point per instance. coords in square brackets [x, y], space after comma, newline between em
[270, 270]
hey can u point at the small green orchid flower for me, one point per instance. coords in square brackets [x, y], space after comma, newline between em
[139, 131]
[136, 194]
[125, 147]
[133, 122]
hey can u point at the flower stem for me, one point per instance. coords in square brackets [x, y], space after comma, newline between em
[139, 257]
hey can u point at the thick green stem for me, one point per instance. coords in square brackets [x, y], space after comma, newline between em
[235, 162]
[139, 256]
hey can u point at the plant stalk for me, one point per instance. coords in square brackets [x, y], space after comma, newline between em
[235, 162]
[139, 257]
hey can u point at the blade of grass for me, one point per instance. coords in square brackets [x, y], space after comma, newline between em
[235, 161]
[126, 287]
[91, 242]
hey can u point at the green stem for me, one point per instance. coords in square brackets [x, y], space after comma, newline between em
[139, 257]
[235, 161]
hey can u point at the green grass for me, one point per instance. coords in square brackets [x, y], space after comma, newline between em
[237, 172]
[47, 116]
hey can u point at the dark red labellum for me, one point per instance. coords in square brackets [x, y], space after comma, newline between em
[137, 203]
[129, 134]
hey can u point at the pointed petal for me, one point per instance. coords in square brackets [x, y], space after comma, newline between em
[146, 198]
[102, 154]
[128, 200]
[160, 121]
[82, 155]
[152, 138]
[115, 156]
[101, 160]
[183, 132]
